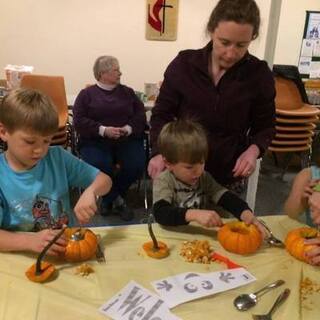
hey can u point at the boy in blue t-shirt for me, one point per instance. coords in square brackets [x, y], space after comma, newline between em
[35, 178]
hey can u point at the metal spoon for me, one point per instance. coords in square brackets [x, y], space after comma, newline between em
[281, 298]
[247, 301]
[77, 235]
[275, 242]
[272, 240]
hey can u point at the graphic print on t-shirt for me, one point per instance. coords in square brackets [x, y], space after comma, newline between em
[34, 213]
[189, 198]
[48, 213]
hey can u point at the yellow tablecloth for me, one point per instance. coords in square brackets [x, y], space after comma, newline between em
[71, 296]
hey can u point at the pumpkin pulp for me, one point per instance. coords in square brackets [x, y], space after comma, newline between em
[295, 242]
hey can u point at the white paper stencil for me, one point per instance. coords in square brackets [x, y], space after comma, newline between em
[190, 286]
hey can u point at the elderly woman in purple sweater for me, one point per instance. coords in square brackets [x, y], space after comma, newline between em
[110, 121]
[227, 90]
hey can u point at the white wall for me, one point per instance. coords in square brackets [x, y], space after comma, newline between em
[291, 26]
[63, 37]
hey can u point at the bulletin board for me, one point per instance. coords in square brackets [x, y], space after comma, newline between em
[309, 60]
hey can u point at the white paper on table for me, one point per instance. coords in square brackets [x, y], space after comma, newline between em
[304, 65]
[190, 286]
[314, 69]
[316, 48]
[307, 47]
[133, 302]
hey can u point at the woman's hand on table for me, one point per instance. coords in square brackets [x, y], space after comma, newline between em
[38, 240]
[155, 166]
[206, 218]
[86, 207]
[246, 163]
[313, 255]
[249, 218]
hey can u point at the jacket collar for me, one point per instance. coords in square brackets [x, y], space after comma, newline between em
[201, 59]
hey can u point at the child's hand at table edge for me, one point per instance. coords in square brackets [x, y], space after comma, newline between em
[86, 207]
[206, 218]
[313, 255]
[248, 217]
[38, 240]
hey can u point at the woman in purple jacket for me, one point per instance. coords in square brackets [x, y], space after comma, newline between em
[228, 91]
[110, 121]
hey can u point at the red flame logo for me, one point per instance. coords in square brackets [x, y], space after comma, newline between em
[154, 20]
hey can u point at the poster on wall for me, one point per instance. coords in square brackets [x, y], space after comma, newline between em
[312, 27]
[162, 19]
[309, 60]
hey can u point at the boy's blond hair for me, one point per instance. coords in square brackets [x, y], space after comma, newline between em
[30, 110]
[183, 141]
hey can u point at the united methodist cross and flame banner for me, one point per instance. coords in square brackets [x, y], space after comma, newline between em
[162, 19]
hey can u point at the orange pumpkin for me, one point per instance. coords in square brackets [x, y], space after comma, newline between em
[47, 270]
[295, 242]
[161, 252]
[82, 244]
[237, 237]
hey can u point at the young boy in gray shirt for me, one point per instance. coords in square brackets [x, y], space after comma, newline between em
[185, 192]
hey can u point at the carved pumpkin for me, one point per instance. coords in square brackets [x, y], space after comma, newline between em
[295, 242]
[161, 252]
[237, 237]
[82, 244]
[47, 270]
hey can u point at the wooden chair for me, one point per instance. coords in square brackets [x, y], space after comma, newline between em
[295, 118]
[294, 135]
[296, 127]
[291, 72]
[52, 86]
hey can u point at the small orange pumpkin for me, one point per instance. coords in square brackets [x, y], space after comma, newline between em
[47, 270]
[82, 244]
[237, 237]
[295, 242]
[161, 252]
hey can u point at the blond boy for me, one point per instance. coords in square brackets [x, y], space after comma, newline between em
[35, 178]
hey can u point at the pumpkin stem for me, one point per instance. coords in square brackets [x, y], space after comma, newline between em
[153, 237]
[45, 249]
